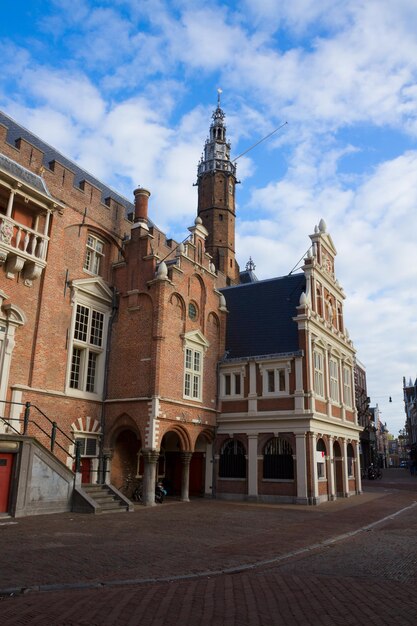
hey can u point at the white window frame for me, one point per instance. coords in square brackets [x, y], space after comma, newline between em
[94, 254]
[84, 437]
[195, 346]
[321, 463]
[95, 296]
[347, 386]
[275, 373]
[233, 389]
[318, 367]
[90, 352]
[334, 391]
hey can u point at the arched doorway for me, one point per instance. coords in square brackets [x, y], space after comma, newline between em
[125, 460]
[170, 465]
[338, 468]
[198, 467]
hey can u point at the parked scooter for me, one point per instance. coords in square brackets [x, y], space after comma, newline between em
[160, 493]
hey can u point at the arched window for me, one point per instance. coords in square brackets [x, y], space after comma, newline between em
[319, 304]
[339, 318]
[278, 461]
[232, 460]
[320, 456]
[350, 457]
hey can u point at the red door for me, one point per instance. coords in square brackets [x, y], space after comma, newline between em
[86, 471]
[196, 474]
[6, 463]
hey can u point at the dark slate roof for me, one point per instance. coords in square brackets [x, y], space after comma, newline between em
[15, 131]
[26, 176]
[260, 316]
[247, 276]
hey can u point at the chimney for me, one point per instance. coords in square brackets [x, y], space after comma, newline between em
[141, 205]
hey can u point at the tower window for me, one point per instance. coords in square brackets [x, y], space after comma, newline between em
[220, 217]
[94, 254]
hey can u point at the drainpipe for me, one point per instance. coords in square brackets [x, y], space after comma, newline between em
[102, 464]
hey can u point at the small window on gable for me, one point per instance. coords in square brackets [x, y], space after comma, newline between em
[275, 380]
[231, 384]
[94, 254]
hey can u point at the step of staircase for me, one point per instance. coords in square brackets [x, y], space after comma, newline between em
[106, 500]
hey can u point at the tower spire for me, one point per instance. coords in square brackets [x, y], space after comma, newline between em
[216, 181]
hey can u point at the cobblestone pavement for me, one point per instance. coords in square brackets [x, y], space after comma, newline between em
[332, 564]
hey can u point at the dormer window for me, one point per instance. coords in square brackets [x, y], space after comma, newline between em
[94, 254]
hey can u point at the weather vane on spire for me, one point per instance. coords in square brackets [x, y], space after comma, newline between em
[219, 92]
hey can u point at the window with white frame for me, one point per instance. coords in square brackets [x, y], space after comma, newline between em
[347, 386]
[195, 346]
[321, 459]
[94, 254]
[334, 380]
[88, 446]
[87, 349]
[318, 373]
[193, 373]
[231, 384]
[274, 380]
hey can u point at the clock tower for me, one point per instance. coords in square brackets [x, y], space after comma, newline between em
[216, 181]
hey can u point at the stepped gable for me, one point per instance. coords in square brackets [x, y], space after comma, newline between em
[260, 320]
[15, 132]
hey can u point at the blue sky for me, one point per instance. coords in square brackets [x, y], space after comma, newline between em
[126, 88]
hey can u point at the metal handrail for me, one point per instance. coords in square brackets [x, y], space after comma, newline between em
[52, 436]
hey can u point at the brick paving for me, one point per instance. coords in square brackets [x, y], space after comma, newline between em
[311, 565]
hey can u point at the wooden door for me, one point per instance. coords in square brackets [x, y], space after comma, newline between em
[86, 470]
[6, 464]
[196, 474]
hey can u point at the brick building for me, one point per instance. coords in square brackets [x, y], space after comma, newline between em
[158, 358]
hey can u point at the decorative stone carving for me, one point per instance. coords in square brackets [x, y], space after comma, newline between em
[31, 271]
[6, 232]
[14, 265]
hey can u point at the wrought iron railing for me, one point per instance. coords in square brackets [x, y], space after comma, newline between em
[51, 434]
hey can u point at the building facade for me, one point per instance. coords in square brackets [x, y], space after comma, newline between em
[157, 359]
[410, 407]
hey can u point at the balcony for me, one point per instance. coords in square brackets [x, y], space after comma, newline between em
[22, 249]
[26, 207]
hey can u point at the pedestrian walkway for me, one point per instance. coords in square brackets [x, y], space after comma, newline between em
[208, 560]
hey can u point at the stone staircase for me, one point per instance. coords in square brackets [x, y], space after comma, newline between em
[107, 499]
